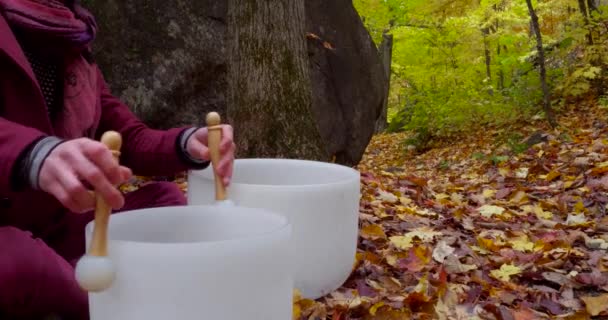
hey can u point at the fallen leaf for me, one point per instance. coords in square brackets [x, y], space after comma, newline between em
[596, 305]
[372, 232]
[442, 251]
[490, 210]
[387, 196]
[505, 272]
[522, 244]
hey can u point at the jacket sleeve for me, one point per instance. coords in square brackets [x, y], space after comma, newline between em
[15, 141]
[146, 151]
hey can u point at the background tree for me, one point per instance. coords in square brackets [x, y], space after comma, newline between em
[386, 52]
[541, 64]
[269, 88]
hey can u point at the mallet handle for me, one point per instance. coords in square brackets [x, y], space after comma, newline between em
[99, 242]
[213, 142]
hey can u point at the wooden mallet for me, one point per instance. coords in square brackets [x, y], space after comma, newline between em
[95, 271]
[214, 138]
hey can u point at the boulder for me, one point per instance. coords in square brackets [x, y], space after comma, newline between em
[164, 59]
[167, 61]
[348, 77]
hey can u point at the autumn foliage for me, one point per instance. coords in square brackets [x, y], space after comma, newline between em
[482, 230]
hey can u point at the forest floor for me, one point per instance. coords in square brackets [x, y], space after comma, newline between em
[480, 229]
[493, 226]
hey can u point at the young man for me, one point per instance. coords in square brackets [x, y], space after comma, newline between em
[54, 107]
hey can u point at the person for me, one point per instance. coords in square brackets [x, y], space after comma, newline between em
[54, 107]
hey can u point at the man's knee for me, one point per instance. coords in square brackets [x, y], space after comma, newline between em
[31, 274]
[167, 193]
[156, 194]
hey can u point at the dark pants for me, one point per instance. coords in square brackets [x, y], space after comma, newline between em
[37, 275]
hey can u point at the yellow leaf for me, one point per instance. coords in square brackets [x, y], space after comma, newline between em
[456, 197]
[520, 197]
[490, 210]
[596, 305]
[401, 242]
[504, 171]
[357, 301]
[392, 260]
[480, 250]
[542, 214]
[375, 308]
[441, 196]
[405, 201]
[540, 153]
[552, 175]
[297, 311]
[522, 244]
[425, 234]
[579, 207]
[373, 231]
[488, 193]
[425, 212]
[505, 272]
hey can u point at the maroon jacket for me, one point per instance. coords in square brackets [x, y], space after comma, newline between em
[89, 110]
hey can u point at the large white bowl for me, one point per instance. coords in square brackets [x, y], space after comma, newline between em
[321, 201]
[197, 262]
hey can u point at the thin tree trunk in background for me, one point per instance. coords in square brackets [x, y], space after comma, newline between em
[485, 32]
[541, 62]
[592, 6]
[501, 74]
[269, 87]
[583, 8]
[386, 56]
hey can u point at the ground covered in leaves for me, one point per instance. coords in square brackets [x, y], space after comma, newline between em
[505, 224]
[490, 227]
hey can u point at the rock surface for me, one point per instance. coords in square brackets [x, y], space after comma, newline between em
[167, 61]
[348, 80]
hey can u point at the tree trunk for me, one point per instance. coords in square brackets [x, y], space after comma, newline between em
[269, 87]
[485, 32]
[592, 5]
[386, 54]
[541, 63]
[501, 75]
[583, 8]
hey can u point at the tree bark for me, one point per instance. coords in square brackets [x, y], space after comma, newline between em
[269, 87]
[541, 61]
[488, 56]
[592, 5]
[582, 5]
[386, 56]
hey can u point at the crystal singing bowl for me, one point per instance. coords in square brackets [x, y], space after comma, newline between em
[320, 200]
[197, 262]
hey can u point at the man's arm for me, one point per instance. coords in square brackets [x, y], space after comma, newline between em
[16, 141]
[145, 151]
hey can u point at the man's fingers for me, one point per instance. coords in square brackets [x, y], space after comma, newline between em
[199, 150]
[93, 174]
[69, 190]
[227, 138]
[126, 173]
[201, 135]
[228, 175]
[100, 155]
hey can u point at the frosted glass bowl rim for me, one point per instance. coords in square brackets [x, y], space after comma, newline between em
[284, 225]
[354, 175]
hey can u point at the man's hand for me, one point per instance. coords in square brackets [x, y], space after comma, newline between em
[197, 147]
[74, 163]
